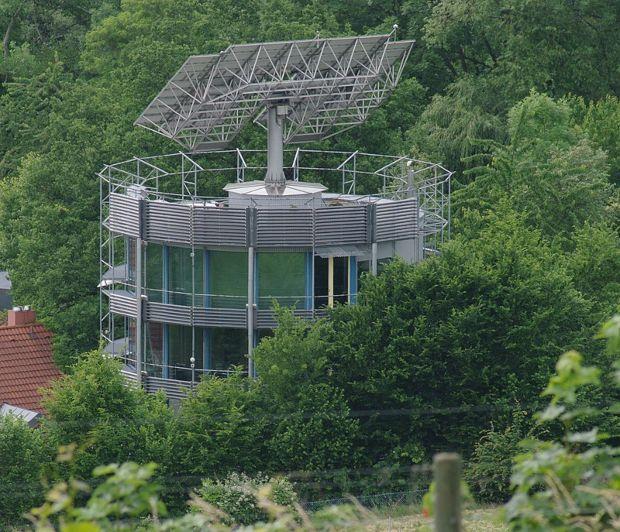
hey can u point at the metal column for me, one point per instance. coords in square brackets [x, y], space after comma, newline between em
[251, 311]
[275, 179]
[139, 249]
[330, 282]
[373, 258]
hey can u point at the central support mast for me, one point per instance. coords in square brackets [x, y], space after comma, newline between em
[275, 179]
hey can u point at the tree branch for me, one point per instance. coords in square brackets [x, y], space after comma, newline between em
[7, 34]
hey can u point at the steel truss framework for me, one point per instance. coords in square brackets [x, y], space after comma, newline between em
[329, 85]
[396, 178]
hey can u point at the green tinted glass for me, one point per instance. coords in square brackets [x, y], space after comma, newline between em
[282, 277]
[180, 351]
[154, 348]
[228, 279]
[154, 272]
[180, 276]
[229, 348]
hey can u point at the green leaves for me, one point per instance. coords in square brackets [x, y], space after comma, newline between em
[573, 483]
[570, 375]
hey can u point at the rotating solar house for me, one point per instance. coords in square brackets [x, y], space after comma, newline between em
[189, 279]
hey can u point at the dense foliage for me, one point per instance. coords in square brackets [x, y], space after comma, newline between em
[24, 455]
[571, 482]
[519, 97]
[106, 420]
[77, 73]
[236, 497]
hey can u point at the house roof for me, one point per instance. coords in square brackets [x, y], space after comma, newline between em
[5, 282]
[26, 365]
[28, 416]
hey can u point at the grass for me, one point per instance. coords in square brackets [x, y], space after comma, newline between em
[409, 518]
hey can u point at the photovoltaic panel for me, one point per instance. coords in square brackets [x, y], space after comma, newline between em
[329, 85]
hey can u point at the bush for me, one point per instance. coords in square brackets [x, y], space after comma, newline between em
[571, 482]
[127, 499]
[221, 427]
[236, 496]
[442, 349]
[109, 421]
[488, 472]
[24, 454]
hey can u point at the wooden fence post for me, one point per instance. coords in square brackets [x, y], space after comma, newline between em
[447, 472]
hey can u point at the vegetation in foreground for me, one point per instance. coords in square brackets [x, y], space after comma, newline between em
[571, 481]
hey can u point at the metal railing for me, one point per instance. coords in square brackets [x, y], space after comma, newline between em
[221, 301]
[177, 178]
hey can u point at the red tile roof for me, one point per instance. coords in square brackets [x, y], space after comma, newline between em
[25, 365]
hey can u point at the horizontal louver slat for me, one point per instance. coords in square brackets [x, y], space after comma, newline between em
[397, 220]
[168, 222]
[345, 225]
[284, 228]
[219, 226]
[124, 215]
[121, 303]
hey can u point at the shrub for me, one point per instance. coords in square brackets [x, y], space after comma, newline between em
[571, 482]
[236, 496]
[221, 427]
[442, 349]
[109, 421]
[24, 454]
[127, 499]
[488, 472]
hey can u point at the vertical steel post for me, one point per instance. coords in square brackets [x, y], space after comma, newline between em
[274, 179]
[373, 258]
[330, 282]
[139, 248]
[251, 311]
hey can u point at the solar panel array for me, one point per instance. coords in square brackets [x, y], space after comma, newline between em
[329, 85]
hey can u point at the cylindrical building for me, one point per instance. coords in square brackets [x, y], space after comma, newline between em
[189, 282]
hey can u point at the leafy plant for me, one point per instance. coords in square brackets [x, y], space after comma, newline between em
[24, 455]
[127, 499]
[573, 482]
[236, 496]
[489, 469]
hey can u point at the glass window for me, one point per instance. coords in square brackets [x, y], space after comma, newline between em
[341, 279]
[130, 355]
[331, 280]
[282, 276]
[228, 279]
[180, 276]
[321, 281]
[130, 252]
[154, 348]
[228, 347]
[180, 351]
[153, 272]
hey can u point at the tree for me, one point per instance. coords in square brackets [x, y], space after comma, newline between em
[38, 29]
[24, 456]
[107, 420]
[460, 127]
[441, 349]
[222, 426]
[550, 171]
[594, 264]
[601, 121]
[572, 481]
[313, 429]
[557, 47]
